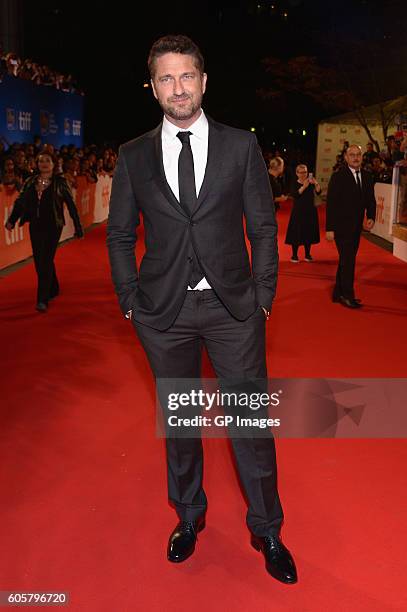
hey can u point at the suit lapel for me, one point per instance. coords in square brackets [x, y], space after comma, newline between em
[215, 158]
[159, 173]
[214, 162]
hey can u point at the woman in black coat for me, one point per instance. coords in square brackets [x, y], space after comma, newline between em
[41, 204]
[303, 226]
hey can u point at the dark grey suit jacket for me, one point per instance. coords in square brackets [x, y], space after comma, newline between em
[345, 209]
[235, 185]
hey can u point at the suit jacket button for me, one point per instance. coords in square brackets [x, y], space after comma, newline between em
[190, 259]
[192, 223]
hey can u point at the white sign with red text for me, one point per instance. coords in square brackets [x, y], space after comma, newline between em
[383, 224]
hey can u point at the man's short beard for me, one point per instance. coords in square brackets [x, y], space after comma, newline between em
[182, 114]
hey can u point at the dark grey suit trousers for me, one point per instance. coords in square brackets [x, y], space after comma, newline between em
[236, 349]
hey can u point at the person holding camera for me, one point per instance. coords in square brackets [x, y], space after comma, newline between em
[303, 226]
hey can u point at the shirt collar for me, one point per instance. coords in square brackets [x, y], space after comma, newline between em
[199, 128]
[354, 171]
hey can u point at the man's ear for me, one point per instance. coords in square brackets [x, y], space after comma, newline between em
[153, 88]
[204, 79]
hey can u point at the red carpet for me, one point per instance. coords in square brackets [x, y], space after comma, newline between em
[83, 476]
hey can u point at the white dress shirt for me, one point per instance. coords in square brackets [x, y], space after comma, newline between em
[354, 175]
[171, 146]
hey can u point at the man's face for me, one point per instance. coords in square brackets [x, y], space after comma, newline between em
[353, 157]
[179, 87]
[369, 147]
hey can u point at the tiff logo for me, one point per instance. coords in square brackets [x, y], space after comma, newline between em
[16, 235]
[24, 121]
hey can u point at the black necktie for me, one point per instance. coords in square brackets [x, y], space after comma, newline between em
[359, 184]
[187, 196]
[186, 174]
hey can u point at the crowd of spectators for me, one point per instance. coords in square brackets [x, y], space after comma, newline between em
[18, 162]
[380, 164]
[12, 64]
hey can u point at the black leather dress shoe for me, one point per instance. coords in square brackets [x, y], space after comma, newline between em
[279, 562]
[181, 544]
[41, 307]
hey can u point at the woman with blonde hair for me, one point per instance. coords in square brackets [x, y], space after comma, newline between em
[303, 226]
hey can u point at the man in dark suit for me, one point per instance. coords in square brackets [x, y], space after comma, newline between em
[193, 180]
[350, 196]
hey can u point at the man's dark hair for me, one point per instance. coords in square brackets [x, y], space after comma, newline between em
[175, 43]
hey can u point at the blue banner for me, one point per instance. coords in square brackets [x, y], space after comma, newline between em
[27, 110]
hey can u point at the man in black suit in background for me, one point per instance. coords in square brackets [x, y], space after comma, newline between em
[194, 179]
[350, 196]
